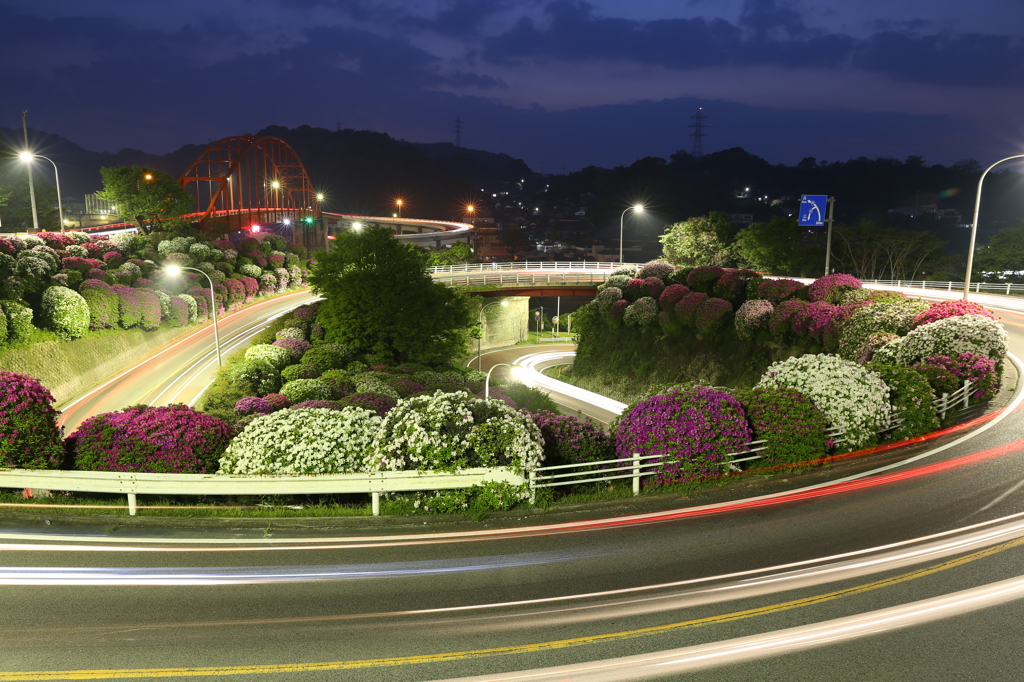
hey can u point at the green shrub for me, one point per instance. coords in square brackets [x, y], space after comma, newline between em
[19, 320]
[327, 356]
[256, 376]
[277, 357]
[301, 390]
[340, 383]
[911, 398]
[529, 399]
[293, 372]
[791, 426]
[894, 316]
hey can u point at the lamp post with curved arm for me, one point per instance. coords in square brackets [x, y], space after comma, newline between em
[974, 224]
[638, 208]
[174, 270]
[487, 381]
[480, 340]
[27, 158]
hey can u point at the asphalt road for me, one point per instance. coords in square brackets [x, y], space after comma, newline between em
[847, 582]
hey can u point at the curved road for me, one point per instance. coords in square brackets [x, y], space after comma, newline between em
[908, 573]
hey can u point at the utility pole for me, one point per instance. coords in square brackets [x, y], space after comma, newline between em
[828, 240]
[31, 172]
[698, 133]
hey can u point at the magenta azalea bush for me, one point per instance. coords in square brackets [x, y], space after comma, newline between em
[375, 402]
[618, 310]
[780, 322]
[823, 286]
[672, 294]
[778, 290]
[692, 429]
[732, 285]
[641, 313]
[571, 440]
[752, 316]
[252, 405]
[29, 435]
[174, 439]
[103, 302]
[686, 309]
[703, 278]
[713, 315]
[946, 374]
[940, 311]
[297, 347]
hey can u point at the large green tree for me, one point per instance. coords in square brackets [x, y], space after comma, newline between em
[460, 252]
[780, 246]
[1003, 256]
[870, 251]
[144, 195]
[706, 240]
[379, 301]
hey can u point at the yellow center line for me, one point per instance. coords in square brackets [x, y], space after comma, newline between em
[129, 673]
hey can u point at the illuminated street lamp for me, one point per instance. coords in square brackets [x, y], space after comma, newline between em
[480, 340]
[398, 203]
[174, 271]
[470, 209]
[638, 208]
[974, 223]
[487, 381]
[357, 226]
[27, 158]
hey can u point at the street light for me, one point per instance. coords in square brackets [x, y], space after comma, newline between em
[27, 158]
[398, 203]
[638, 208]
[974, 224]
[174, 271]
[480, 320]
[487, 381]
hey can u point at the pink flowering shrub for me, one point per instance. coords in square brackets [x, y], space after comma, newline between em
[944, 309]
[651, 286]
[823, 286]
[179, 313]
[275, 260]
[672, 294]
[57, 240]
[174, 439]
[634, 289]
[693, 429]
[113, 259]
[297, 347]
[405, 387]
[686, 309]
[104, 304]
[6, 247]
[732, 285]
[780, 322]
[713, 315]
[946, 374]
[655, 268]
[130, 305]
[704, 278]
[101, 275]
[277, 401]
[29, 435]
[81, 265]
[570, 440]
[618, 311]
[251, 405]
[251, 286]
[752, 316]
[236, 291]
[778, 290]
[375, 402]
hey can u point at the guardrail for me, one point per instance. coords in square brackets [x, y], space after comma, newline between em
[523, 279]
[133, 484]
[977, 287]
[638, 466]
[527, 265]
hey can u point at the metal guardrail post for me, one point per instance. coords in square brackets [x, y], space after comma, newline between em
[132, 504]
[375, 503]
[533, 486]
[967, 392]
[636, 474]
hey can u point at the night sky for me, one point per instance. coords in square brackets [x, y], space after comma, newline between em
[561, 84]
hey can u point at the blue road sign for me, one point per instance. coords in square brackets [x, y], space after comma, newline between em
[812, 210]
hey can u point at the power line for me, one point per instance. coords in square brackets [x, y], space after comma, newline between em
[698, 132]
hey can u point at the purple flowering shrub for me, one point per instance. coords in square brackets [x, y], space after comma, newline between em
[946, 374]
[297, 347]
[282, 279]
[252, 405]
[606, 298]
[570, 440]
[251, 286]
[405, 387]
[944, 309]
[325, 404]
[277, 401]
[752, 316]
[113, 259]
[793, 428]
[375, 402]
[780, 322]
[823, 286]
[179, 313]
[617, 311]
[651, 286]
[655, 268]
[149, 309]
[29, 435]
[174, 439]
[634, 289]
[235, 290]
[275, 260]
[712, 316]
[704, 278]
[778, 290]
[672, 294]
[693, 429]
[129, 304]
[82, 265]
[641, 313]
[686, 309]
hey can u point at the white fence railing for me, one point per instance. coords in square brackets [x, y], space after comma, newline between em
[526, 265]
[639, 466]
[522, 279]
[133, 484]
[977, 287]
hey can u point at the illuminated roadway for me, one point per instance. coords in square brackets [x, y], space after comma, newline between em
[911, 573]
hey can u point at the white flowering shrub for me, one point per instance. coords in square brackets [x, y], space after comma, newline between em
[278, 357]
[250, 270]
[177, 245]
[950, 336]
[165, 304]
[892, 316]
[851, 397]
[303, 441]
[452, 431]
[193, 307]
[641, 313]
[301, 390]
[367, 383]
[752, 316]
[66, 312]
[291, 333]
[77, 250]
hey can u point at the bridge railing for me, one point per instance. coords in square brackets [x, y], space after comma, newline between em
[525, 265]
[522, 279]
[638, 466]
[133, 484]
[976, 287]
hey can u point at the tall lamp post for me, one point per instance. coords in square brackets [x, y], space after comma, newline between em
[174, 271]
[638, 208]
[480, 340]
[27, 158]
[974, 224]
